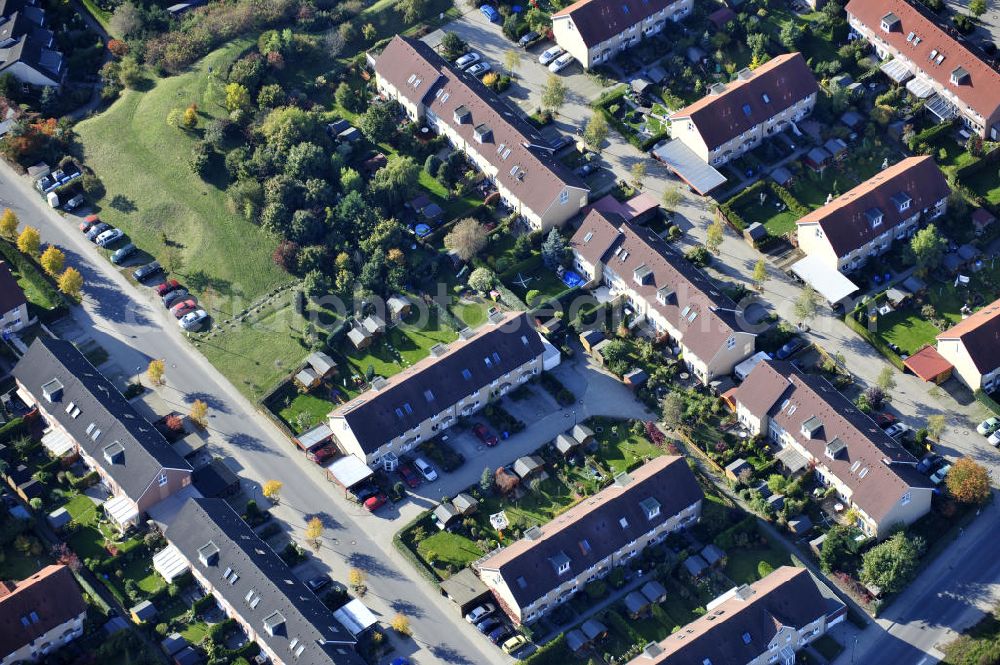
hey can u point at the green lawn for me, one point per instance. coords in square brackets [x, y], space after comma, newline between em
[828, 647]
[742, 563]
[986, 183]
[17, 566]
[400, 347]
[472, 314]
[777, 222]
[864, 161]
[618, 448]
[907, 329]
[534, 508]
[82, 509]
[543, 280]
[305, 412]
[446, 549]
[151, 191]
[141, 570]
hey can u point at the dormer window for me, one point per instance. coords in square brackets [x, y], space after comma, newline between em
[811, 427]
[834, 448]
[641, 274]
[959, 76]
[462, 114]
[561, 563]
[273, 623]
[890, 22]
[482, 133]
[208, 554]
[651, 507]
[902, 201]
[664, 294]
[874, 216]
[52, 391]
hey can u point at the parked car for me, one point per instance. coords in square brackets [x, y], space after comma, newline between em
[122, 253]
[373, 503]
[586, 169]
[145, 272]
[318, 582]
[927, 464]
[96, 230]
[485, 627]
[364, 492]
[426, 470]
[897, 430]
[409, 476]
[109, 237]
[479, 69]
[499, 634]
[561, 62]
[790, 347]
[192, 320]
[885, 419]
[528, 38]
[564, 141]
[167, 286]
[468, 59]
[480, 612]
[88, 223]
[994, 439]
[485, 435]
[174, 297]
[183, 307]
[550, 54]
[515, 643]
[74, 203]
[491, 14]
[988, 426]
[322, 454]
[938, 477]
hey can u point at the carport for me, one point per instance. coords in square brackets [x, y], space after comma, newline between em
[688, 166]
[828, 282]
[348, 471]
[465, 590]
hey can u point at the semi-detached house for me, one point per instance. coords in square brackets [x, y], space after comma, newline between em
[865, 222]
[973, 348]
[427, 398]
[13, 304]
[554, 561]
[661, 286]
[40, 614]
[254, 587]
[816, 427]
[935, 65]
[762, 623]
[86, 415]
[475, 120]
[595, 31]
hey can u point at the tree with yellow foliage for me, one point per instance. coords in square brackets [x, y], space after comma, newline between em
[8, 224]
[356, 580]
[71, 283]
[199, 413]
[401, 624]
[314, 532]
[53, 260]
[272, 490]
[30, 241]
[190, 118]
[156, 371]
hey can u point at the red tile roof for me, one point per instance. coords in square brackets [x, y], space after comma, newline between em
[599, 20]
[530, 174]
[928, 364]
[980, 334]
[982, 89]
[11, 295]
[878, 470]
[45, 600]
[783, 81]
[844, 220]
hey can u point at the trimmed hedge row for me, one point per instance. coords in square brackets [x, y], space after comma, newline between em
[31, 272]
[988, 401]
[875, 341]
[728, 208]
[929, 134]
[618, 95]
[410, 555]
[555, 652]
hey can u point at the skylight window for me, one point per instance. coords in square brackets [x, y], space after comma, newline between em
[466, 374]
[625, 9]
[766, 98]
[586, 238]
[746, 110]
[684, 312]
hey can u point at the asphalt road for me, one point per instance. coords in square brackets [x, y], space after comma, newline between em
[131, 325]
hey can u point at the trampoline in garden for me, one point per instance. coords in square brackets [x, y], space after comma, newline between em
[421, 230]
[571, 279]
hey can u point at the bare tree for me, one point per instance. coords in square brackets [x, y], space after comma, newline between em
[466, 239]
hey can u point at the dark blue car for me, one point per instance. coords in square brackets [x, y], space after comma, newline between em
[789, 348]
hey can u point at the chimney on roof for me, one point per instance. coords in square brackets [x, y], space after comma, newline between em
[744, 74]
[623, 480]
[716, 88]
[466, 333]
[652, 650]
[496, 317]
[378, 383]
[533, 533]
[439, 350]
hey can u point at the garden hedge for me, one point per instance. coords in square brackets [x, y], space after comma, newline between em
[875, 341]
[555, 652]
[410, 555]
[988, 401]
[617, 95]
[33, 273]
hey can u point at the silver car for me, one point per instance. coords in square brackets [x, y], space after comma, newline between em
[550, 54]
[561, 63]
[108, 237]
[426, 470]
[192, 320]
[469, 58]
[479, 69]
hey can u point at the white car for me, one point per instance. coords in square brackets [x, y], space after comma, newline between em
[939, 475]
[108, 237]
[192, 320]
[480, 613]
[896, 430]
[989, 426]
[561, 62]
[550, 54]
[469, 58]
[994, 439]
[426, 470]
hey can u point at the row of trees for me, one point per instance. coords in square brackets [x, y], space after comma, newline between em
[53, 260]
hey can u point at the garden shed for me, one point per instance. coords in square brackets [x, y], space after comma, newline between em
[695, 566]
[736, 468]
[59, 518]
[583, 434]
[465, 504]
[445, 514]
[143, 612]
[654, 591]
[529, 466]
[713, 555]
[636, 604]
[576, 641]
[594, 630]
[465, 590]
[565, 444]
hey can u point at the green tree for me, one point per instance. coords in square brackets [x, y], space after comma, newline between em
[936, 425]
[596, 131]
[892, 563]
[807, 304]
[467, 238]
[638, 173]
[672, 198]
[838, 549]
[555, 250]
[411, 10]
[369, 31]
[886, 380]
[452, 46]
[486, 480]
[673, 409]
[977, 8]
[30, 241]
[511, 60]
[8, 224]
[760, 274]
[71, 283]
[553, 94]
[482, 279]
[715, 235]
[129, 72]
[928, 248]
[395, 182]
[378, 122]
[52, 260]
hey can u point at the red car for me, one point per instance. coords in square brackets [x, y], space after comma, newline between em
[167, 287]
[485, 435]
[885, 419]
[373, 503]
[183, 307]
[90, 221]
[322, 454]
[409, 476]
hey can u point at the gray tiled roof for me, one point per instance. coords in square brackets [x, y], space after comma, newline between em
[260, 573]
[436, 383]
[102, 409]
